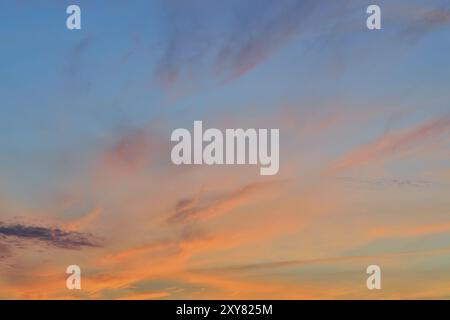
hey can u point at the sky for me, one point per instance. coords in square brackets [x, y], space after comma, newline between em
[86, 177]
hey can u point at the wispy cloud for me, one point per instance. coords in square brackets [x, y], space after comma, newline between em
[224, 53]
[388, 182]
[196, 208]
[325, 261]
[131, 152]
[393, 143]
[85, 220]
[410, 231]
[255, 41]
[424, 20]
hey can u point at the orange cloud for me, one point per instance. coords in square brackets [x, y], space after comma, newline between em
[404, 231]
[84, 221]
[192, 210]
[391, 144]
[130, 153]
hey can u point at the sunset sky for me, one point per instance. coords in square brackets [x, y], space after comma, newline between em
[85, 171]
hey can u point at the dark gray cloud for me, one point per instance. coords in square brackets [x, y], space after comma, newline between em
[20, 234]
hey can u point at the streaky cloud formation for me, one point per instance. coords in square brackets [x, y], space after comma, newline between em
[194, 208]
[425, 20]
[243, 51]
[393, 143]
[258, 30]
[131, 152]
